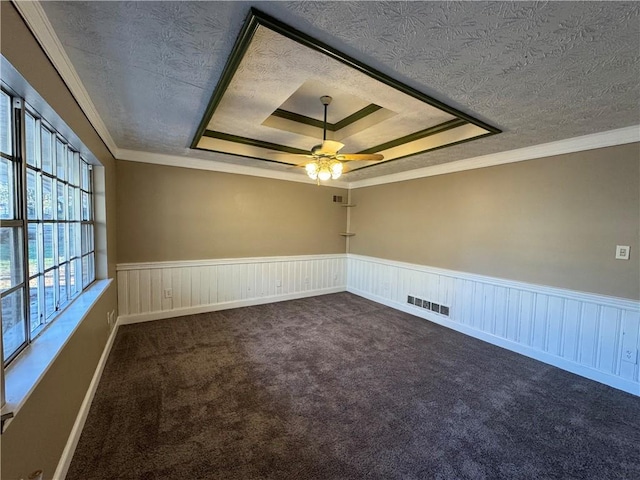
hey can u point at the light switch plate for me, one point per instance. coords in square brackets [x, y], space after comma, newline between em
[622, 252]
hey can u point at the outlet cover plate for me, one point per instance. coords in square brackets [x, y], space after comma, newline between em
[622, 252]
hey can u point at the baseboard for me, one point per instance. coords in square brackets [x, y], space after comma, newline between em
[180, 312]
[76, 431]
[590, 373]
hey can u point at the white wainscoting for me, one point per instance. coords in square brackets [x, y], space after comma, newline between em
[151, 291]
[583, 333]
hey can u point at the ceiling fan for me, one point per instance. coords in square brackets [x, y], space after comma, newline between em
[327, 160]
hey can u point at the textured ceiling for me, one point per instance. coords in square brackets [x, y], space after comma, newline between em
[540, 72]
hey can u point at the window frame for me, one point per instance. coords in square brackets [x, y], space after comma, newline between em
[69, 225]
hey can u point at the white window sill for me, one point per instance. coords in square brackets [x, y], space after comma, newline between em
[26, 371]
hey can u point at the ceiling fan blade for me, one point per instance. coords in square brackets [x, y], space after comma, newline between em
[356, 157]
[329, 147]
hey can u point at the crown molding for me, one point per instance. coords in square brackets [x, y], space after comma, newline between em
[610, 138]
[212, 165]
[37, 21]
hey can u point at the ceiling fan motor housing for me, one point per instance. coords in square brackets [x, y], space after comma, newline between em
[326, 99]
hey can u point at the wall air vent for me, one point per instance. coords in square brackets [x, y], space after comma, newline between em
[427, 305]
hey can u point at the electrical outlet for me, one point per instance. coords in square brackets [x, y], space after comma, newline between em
[168, 293]
[444, 310]
[417, 302]
[435, 307]
[630, 355]
[410, 299]
[426, 305]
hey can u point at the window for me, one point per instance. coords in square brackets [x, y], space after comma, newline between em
[47, 252]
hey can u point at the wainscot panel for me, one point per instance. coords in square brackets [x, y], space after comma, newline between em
[151, 291]
[594, 336]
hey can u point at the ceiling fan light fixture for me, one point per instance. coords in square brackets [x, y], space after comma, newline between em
[324, 173]
[327, 160]
[336, 169]
[312, 170]
[324, 170]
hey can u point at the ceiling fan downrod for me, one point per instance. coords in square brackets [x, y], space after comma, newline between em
[326, 100]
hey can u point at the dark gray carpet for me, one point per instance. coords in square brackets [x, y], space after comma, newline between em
[338, 387]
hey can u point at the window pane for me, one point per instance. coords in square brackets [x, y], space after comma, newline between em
[70, 154]
[62, 242]
[73, 284]
[5, 123]
[32, 195]
[92, 268]
[62, 200]
[49, 255]
[7, 182]
[10, 257]
[85, 206]
[49, 295]
[13, 324]
[61, 160]
[71, 202]
[73, 229]
[35, 250]
[47, 163]
[62, 285]
[85, 177]
[31, 137]
[35, 293]
[85, 271]
[76, 169]
[87, 238]
[47, 198]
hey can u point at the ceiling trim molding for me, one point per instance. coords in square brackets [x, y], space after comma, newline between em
[333, 127]
[251, 142]
[38, 22]
[610, 138]
[212, 165]
[256, 19]
[427, 132]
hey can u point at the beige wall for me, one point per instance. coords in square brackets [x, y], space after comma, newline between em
[170, 213]
[554, 221]
[36, 438]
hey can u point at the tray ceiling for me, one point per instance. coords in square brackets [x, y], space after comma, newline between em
[267, 101]
[540, 72]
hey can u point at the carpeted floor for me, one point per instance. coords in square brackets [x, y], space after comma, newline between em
[338, 387]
